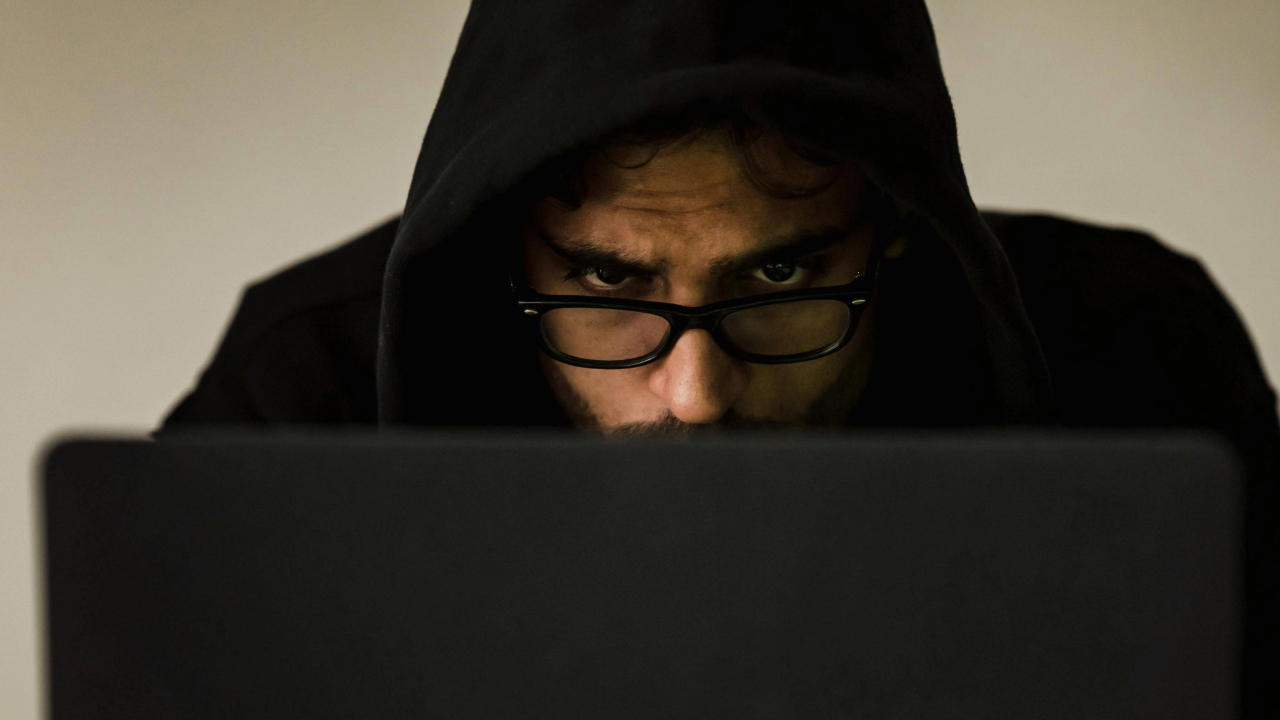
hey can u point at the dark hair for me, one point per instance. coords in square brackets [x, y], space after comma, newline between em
[639, 143]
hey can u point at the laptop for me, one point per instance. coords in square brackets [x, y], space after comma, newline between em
[457, 575]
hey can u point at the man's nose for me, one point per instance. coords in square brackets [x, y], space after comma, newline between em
[698, 381]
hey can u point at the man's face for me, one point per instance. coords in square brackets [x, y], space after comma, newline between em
[690, 227]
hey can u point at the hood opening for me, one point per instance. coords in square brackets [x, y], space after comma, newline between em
[534, 80]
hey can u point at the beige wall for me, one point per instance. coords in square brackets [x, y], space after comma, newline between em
[156, 155]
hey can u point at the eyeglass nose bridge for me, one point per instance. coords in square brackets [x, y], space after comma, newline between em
[709, 321]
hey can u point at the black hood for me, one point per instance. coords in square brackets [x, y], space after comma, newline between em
[533, 78]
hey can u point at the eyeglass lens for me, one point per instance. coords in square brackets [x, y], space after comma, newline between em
[607, 335]
[603, 334]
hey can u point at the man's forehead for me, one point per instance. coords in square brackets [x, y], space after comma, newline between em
[705, 172]
[708, 226]
[674, 202]
[714, 254]
[693, 206]
[641, 232]
[658, 187]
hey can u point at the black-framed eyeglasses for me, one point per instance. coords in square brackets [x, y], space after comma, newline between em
[771, 329]
[775, 328]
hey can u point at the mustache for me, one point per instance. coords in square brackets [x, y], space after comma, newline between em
[671, 426]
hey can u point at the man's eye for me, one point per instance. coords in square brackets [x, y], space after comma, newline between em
[606, 277]
[780, 273]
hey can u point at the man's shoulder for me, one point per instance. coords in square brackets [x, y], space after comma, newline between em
[1133, 330]
[1044, 247]
[302, 344]
[350, 272]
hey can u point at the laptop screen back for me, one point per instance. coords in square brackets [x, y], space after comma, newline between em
[553, 576]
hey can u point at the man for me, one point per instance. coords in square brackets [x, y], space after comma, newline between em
[670, 216]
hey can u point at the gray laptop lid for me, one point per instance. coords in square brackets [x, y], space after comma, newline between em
[549, 576]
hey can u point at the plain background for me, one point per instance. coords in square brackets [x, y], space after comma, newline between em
[155, 156]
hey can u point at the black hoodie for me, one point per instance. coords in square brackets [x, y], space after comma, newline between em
[981, 320]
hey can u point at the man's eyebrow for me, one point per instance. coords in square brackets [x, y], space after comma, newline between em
[585, 253]
[785, 249]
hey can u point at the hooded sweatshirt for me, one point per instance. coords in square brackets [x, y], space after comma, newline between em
[986, 319]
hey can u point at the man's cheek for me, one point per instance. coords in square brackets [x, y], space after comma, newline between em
[784, 393]
[771, 391]
[618, 396]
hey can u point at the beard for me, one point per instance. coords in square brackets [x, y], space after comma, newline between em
[671, 426]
